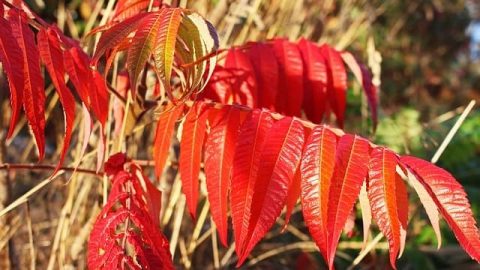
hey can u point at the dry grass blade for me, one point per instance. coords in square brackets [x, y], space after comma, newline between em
[24, 198]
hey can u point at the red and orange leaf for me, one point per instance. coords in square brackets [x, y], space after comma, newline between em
[11, 58]
[382, 193]
[278, 161]
[351, 167]
[193, 134]
[219, 149]
[265, 65]
[52, 56]
[315, 80]
[251, 138]
[142, 46]
[90, 85]
[128, 8]
[317, 167]
[290, 92]
[165, 44]
[294, 190]
[33, 88]
[451, 201]
[402, 202]
[243, 84]
[337, 82]
[99, 97]
[116, 34]
[163, 136]
[363, 76]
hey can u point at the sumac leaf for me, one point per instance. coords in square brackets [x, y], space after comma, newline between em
[451, 201]
[246, 163]
[278, 161]
[219, 150]
[317, 168]
[163, 136]
[191, 144]
[351, 166]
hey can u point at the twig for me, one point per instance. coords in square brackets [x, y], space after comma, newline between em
[24, 166]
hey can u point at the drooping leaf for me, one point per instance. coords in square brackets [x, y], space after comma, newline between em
[363, 76]
[294, 190]
[351, 166]
[201, 42]
[243, 83]
[51, 55]
[429, 205]
[90, 85]
[113, 36]
[317, 168]
[163, 136]
[219, 149]
[124, 9]
[133, 223]
[451, 201]
[265, 65]
[383, 189]
[143, 44]
[33, 88]
[290, 92]
[337, 82]
[248, 149]
[315, 80]
[12, 62]
[164, 49]
[278, 161]
[193, 134]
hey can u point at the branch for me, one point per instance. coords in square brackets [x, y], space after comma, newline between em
[24, 166]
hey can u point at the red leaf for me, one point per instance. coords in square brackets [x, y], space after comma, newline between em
[337, 82]
[193, 135]
[315, 80]
[265, 65]
[165, 41]
[243, 83]
[90, 84]
[116, 34]
[33, 92]
[163, 136]
[128, 8]
[142, 46]
[290, 92]
[219, 149]
[219, 87]
[451, 201]
[363, 76]
[52, 56]
[279, 158]
[12, 61]
[351, 166]
[293, 195]
[383, 189]
[246, 162]
[99, 97]
[317, 169]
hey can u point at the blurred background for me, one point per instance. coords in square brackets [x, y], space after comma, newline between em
[425, 58]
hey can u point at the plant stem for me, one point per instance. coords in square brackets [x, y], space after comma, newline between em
[23, 166]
